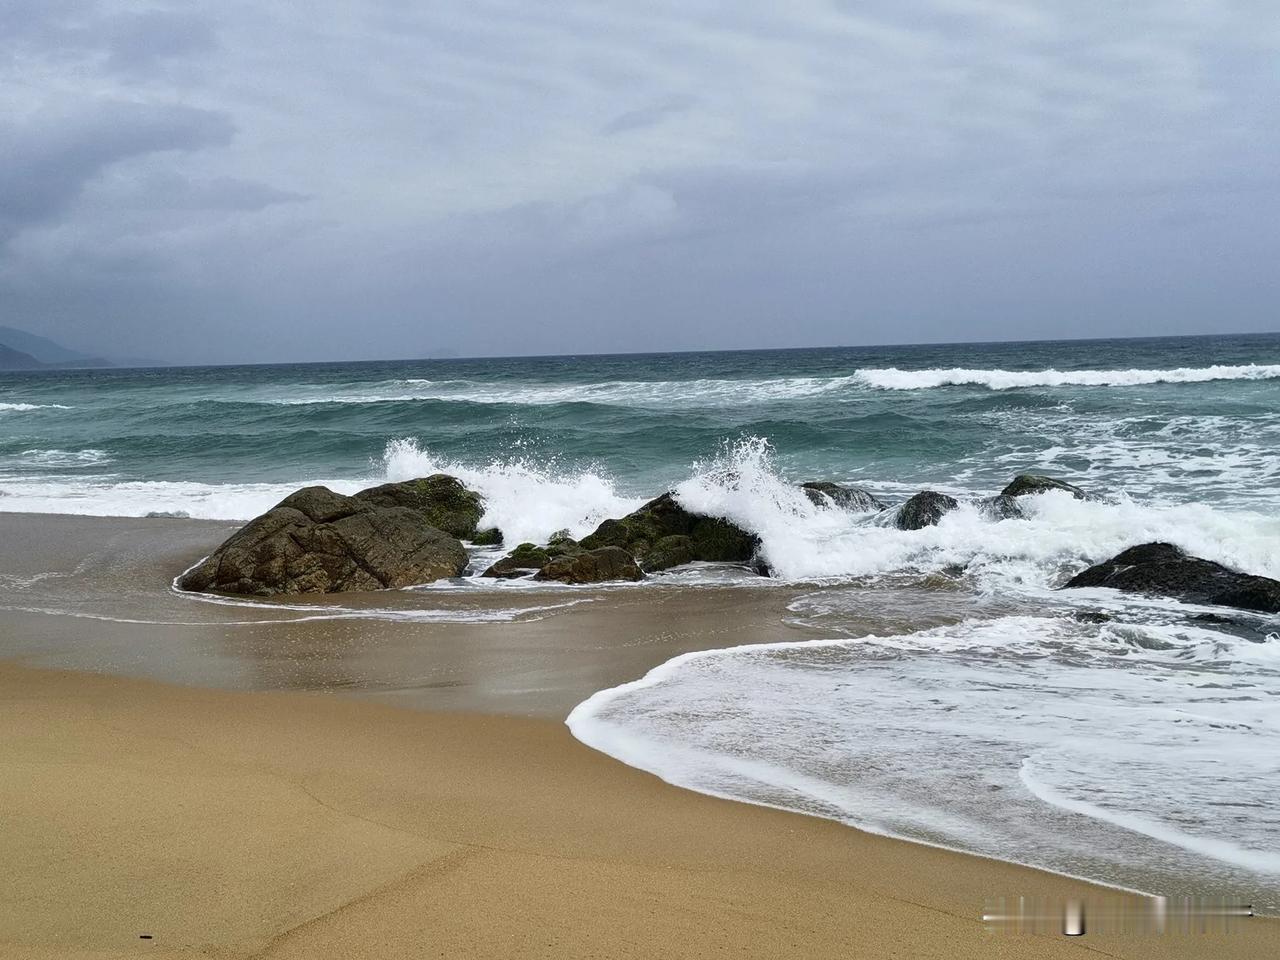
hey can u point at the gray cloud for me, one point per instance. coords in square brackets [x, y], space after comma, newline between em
[46, 162]
[569, 176]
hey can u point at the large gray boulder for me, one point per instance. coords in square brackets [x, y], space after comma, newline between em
[1164, 570]
[441, 499]
[824, 493]
[924, 510]
[1027, 484]
[647, 535]
[318, 541]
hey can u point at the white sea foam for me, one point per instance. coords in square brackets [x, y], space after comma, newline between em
[661, 394]
[720, 392]
[528, 501]
[891, 378]
[63, 458]
[101, 496]
[23, 407]
[1126, 753]
[802, 541]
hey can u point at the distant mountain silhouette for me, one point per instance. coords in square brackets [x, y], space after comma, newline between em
[41, 352]
[11, 359]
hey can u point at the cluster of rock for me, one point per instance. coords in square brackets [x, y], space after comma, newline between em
[927, 508]
[411, 533]
[659, 535]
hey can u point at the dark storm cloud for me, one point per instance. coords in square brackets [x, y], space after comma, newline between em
[571, 175]
[45, 162]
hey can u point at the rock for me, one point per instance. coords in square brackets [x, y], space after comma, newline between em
[491, 537]
[442, 499]
[1163, 570]
[1030, 483]
[924, 510]
[1092, 616]
[1002, 507]
[824, 493]
[522, 561]
[591, 566]
[318, 541]
[640, 532]
[528, 558]
[673, 551]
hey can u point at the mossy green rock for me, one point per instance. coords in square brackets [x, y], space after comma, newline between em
[520, 562]
[318, 541]
[705, 538]
[528, 558]
[445, 503]
[591, 566]
[492, 537]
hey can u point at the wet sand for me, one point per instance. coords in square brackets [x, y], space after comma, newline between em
[273, 818]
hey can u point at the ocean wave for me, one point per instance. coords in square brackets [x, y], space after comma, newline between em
[64, 458]
[526, 499]
[1090, 750]
[636, 393]
[801, 541]
[891, 378]
[23, 407]
[529, 500]
[722, 392]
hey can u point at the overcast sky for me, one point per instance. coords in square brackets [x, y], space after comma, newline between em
[257, 181]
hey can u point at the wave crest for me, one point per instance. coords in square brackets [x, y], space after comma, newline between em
[891, 378]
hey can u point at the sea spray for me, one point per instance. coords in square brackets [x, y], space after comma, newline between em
[802, 541]
[527, 501]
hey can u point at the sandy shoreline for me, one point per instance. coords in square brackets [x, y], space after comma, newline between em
[292, 825]
[266, 820]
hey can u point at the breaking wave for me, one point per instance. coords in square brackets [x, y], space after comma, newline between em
[891, 378]
[23, 407]
[801, 541]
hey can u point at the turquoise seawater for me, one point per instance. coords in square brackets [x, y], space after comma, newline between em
[1180, 418]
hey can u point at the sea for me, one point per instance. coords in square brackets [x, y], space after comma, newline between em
[954, 695]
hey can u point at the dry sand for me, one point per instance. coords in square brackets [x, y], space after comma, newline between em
[231, 824]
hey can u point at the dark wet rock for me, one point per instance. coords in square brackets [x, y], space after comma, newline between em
[1092, 616]
[528, 558]
[668, 552]
[640, 532]
[525, 559]
[824, 493]
[1164, 570]
[924, 510]
[490, 537]
[318, 541]
[1030, 483]
[1002, 507]
[445, 503]
[591, 566]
